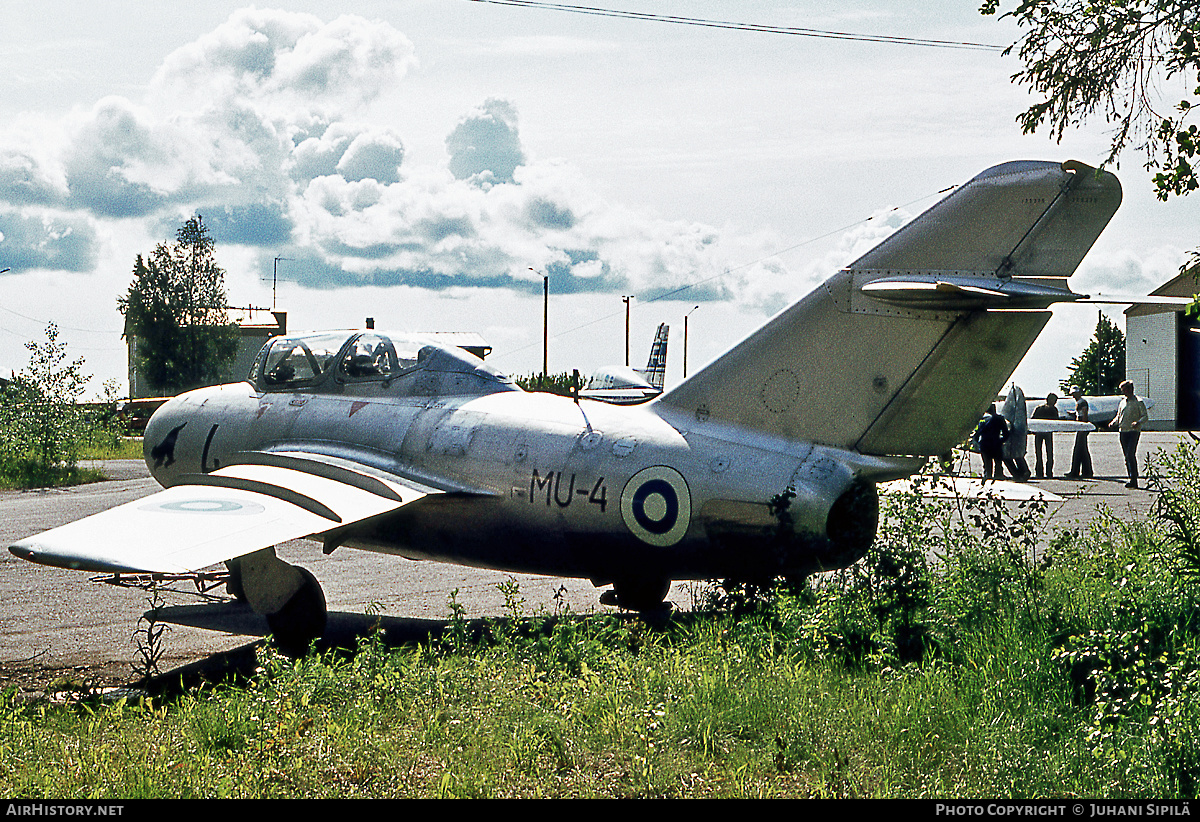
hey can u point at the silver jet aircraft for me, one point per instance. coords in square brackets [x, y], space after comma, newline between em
[622, 385]
[764, 463]
[1101, 411]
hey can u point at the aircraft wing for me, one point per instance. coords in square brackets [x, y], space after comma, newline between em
[946, 487]
[210, 518]
[1057, 426]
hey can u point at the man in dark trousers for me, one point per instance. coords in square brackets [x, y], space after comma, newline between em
[1131, 416]
[1081, 459]
[1046, 411]
[991, 434]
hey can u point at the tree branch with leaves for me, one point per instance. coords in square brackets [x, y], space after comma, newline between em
[1115, 58]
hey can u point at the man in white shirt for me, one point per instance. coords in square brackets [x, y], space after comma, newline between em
[1131, 416]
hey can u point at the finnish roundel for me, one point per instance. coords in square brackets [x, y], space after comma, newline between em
[205, 506]
[657, 506]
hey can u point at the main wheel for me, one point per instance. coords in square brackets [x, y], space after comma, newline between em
[645, 594]
[302, 619]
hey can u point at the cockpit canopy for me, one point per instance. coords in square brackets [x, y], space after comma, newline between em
[616, 376]
[369, 362]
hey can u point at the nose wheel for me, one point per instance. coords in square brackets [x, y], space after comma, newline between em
[301, 619]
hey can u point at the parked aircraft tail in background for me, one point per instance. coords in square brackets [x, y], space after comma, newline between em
[621, 385]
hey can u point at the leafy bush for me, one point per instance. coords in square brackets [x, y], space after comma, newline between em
[560, 383]
[43, 426]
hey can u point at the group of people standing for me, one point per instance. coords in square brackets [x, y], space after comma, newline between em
[1001, 436]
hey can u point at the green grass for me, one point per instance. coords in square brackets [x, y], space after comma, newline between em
[693, 712]
[113, 448]
[28, 473]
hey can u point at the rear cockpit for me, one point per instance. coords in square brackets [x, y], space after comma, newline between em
[370, 363]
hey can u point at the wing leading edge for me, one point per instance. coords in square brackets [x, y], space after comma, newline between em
[210, 518]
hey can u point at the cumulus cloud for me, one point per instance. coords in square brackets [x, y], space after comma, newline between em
[1126, 273]
[265, 126]
[46, 241]
[223, 129]
[254, 224]
[29, 179]
[372, 156]
[288, 65]
[485, 144]
[352, 153]
[435, 230]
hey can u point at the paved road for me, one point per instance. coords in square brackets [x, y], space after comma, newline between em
[1082, 497]
[54, 620]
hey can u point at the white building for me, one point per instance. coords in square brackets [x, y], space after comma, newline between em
[253, 337]
[1162, 356]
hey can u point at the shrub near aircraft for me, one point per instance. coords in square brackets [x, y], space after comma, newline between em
[762, 464]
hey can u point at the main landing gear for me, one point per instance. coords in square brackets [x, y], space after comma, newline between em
[640, 594]
[288, 596]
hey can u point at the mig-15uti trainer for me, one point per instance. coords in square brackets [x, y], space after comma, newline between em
[622, 385]
[764, 463]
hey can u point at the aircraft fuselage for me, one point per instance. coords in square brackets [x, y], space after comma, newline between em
[539, 483]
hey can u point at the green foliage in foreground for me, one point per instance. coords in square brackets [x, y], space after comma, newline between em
[970, 654]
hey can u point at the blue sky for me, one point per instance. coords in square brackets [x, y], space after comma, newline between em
[425, 162]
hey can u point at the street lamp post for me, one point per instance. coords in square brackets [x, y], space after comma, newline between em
[545, 328]
[626, 300]
[545, 324]
[685, 340]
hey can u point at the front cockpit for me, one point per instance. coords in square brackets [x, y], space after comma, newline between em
[372, 363]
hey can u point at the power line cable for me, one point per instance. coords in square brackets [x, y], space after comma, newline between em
[726, 271]
[61, 327]
[762, 28]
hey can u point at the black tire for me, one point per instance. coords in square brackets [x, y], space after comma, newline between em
[645, 594]
[233, 586]
[301, 620]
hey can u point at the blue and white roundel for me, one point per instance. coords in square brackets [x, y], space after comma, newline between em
[205, 506]
[657, 506]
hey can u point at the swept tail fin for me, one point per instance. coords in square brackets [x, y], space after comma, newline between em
[655, 371]
[899, 352]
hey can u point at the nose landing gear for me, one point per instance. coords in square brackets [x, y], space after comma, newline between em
[288, 596]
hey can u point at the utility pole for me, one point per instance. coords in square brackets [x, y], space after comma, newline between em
[545, 329]
[545, 325]
[275, 278]
[626, 300]
[685, 340]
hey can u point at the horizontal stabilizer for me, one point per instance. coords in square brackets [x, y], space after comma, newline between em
[959, 290]
[899, 353]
